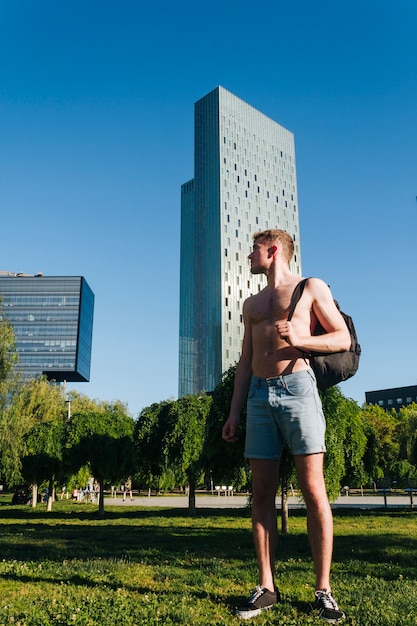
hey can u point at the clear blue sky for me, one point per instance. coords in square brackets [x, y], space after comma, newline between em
[96, 138]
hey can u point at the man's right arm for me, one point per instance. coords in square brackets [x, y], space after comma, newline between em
[243, 377]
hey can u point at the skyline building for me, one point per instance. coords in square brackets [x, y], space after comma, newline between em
[244, 182]
[393, 398]
[52, 318]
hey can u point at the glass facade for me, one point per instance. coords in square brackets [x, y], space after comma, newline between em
[244, 182]
[52, 318]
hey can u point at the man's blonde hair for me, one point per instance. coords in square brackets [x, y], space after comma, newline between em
[274, 235]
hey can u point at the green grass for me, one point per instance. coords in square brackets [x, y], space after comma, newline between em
[160, 566]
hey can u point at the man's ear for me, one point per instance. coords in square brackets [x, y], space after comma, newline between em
[272, 250]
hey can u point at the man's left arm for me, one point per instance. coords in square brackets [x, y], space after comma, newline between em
[318, 299]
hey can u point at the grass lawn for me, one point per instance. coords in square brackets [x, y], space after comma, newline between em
[159, 566]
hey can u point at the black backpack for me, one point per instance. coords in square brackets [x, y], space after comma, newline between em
[330, 368]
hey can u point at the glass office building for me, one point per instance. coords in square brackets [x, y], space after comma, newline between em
[52, 318]
[244, 181]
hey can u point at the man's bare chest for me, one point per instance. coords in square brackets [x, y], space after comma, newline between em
[269, 306]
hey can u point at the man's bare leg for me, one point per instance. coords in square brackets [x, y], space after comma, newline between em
[319, 515]
[264, 517]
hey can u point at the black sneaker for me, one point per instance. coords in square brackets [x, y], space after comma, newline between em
[259, 600]
[327, 606]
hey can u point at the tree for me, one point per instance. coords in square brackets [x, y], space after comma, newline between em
[382, 448]
[101, 438]
[184, 440]
[334, 410]
[42, 461]
[354, 444]
[32, 402]
[8, 354]
[223, 461]
[169, 440]
[149, 434]
[406, 469]
[9, 459]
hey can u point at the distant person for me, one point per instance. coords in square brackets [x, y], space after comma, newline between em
[283, 405]
[128, 489]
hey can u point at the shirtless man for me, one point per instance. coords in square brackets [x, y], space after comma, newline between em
[284, 405]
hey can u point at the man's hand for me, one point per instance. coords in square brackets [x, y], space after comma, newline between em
[285, 331]
[229, 430]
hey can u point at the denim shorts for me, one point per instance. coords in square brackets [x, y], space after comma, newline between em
[284, 409]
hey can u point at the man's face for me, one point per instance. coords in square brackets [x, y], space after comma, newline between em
[260, 257]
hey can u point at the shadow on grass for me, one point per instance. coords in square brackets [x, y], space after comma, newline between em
[155, 536]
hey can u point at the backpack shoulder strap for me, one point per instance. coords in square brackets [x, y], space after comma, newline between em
[297, 293]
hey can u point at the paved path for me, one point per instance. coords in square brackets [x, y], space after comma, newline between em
[238, 501]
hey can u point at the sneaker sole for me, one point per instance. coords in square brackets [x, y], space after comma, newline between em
[250, 614]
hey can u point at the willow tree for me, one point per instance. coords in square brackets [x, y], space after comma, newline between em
[184, 441]
[407, 436]
[169, 440]
[150, 430]
[42, 460]
[102, 439]
[383, 446]
[33, 402]
[224, 461]
[9, 455]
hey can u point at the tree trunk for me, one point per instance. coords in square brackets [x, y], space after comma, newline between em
[284, 493]
[284, 506]
[191, 497]
[51, 494]
[101, 499]
[34, 495]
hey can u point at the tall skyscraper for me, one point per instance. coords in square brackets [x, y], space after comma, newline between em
[52, 318]
[244, 182]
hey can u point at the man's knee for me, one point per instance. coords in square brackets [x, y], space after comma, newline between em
[264, 478]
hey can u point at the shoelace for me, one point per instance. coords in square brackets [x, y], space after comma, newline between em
[327, 600]
[256, 593]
